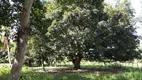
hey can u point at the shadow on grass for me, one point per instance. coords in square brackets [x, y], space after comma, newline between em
[121, 68]
[4, 77]
[57, 76]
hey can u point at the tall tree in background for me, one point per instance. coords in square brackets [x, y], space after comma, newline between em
[72, 24]
[124, 42]
[84, 29]
[118, 41]
[39, 29]
[23, 33]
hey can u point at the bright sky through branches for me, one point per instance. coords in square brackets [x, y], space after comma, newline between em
[137, 7]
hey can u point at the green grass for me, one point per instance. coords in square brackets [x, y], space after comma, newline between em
[4, 71]
[128, 73]
[83, 76]
[78, 76]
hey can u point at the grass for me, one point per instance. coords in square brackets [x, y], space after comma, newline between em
[129, 73]
[83, 76]
[4, 71]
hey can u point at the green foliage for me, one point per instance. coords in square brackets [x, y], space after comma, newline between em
[25, 69]
[38, 50]
[123, 41]
[73, 24]
[116, 36]
[5, 16]
[4, 72]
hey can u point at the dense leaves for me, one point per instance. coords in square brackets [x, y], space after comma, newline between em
[73, 23]
[116, 36]
[5, 12]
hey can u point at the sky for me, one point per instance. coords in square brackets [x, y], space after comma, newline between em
[137, 7]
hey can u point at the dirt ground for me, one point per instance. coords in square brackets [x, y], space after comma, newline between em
[83, 70]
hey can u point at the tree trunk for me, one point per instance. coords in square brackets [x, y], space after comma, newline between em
[43, 67]
[76, 63]
[9, 56]
[22, 39]
[30, 63]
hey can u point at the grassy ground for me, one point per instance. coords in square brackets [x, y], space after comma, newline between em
[83, 76]
[126, 73]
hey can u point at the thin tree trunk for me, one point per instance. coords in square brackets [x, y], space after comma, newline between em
[9, 56]
[30, 63]
[43, 67]
[22, 39]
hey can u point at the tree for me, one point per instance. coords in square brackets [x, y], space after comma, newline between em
[40, 40]
[117, 41]
[6, 19]
[73, 23]
[79, 30]
[124, 40]
[22, 38]
[5, 16]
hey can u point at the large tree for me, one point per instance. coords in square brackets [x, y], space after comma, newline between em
[73, 23]
[124, 42]
[83, 29]
[38, 35]
[117, 40]
[22, 38]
